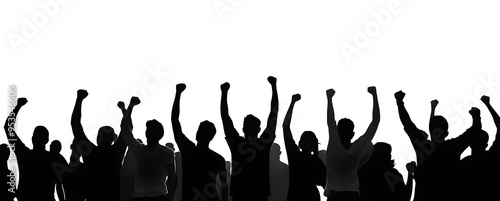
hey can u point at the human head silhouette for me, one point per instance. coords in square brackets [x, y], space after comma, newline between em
[55, 147]
[345, 128]
[40, 137]
[251, 126]
[170, 146]
[308, 143]
[105, 136]
[382, 155]
[275, 152]
[438, 126]
[154, 131]
[479, 142]
[206, 132]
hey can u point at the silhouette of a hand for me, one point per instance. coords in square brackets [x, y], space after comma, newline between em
[296, 97]
[399, 95]
[330, 93]
[225, 86]
[434, 103]
[271, 80]
[475, 112]
[180, 87]
[372, 90]
[121, 105]
[411, 166]
[21, 102]
[135, 100]
[485, 99]
[82, 94]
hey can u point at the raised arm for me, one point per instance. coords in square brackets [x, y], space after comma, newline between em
[411, 130]
[331, 122]
[409, 181]
[229, 129]
[10, 122]
[434, 104]
[179, 136]
[126, 130]
[494, 114]
[272, 119]
[287, 132]
[372, 128]
[76, 116]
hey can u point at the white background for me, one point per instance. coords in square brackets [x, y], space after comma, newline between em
[446, 50]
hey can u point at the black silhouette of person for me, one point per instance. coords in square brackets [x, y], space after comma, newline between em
[250, 154]
[306, 169]
[178, 171]
[127, 173]
[437, 159]
[155, 177]
[479, 171]
[278, 175]
[102, 162]
[8, 192]
[201, 165]
[55, 150]
[37, 176]
[343, 158]
[379, 180]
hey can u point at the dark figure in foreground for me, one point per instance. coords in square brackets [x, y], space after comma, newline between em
[250, 154]
[278, 175]
[201, 165]
[343, 158]
[102, 162]
[379, 180]
[155, 163]
[7, 192]
[437, 159]
[37, 175]
[306, 169]
[480, 171]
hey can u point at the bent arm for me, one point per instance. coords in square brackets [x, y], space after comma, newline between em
[126, 131]
[10, 123]
[372, 128]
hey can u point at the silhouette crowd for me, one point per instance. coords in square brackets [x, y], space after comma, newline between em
[120, 167]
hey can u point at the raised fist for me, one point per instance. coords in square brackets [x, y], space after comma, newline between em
[485, 99]
[135, 100]
[121, 105]
[411, 166]
[434, 103]
[330, 93]
[271, 80]
[82, 93]
[225, 86]
[372, 90]
[21, 102]
[296, 97]
[180, 87]
[474, 111]
[399, 95]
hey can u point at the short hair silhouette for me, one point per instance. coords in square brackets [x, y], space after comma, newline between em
[105, 135]
[251, 126]
[154, 130]
[206, 132]
[40, 136]
[55, 146]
